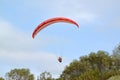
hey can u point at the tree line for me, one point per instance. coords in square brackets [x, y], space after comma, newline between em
[95, 66]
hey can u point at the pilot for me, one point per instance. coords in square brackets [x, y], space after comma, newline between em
[60, 59]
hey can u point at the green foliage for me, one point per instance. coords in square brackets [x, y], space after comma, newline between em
[90, 75]
[95, 66]
[45, 76]
[116, 51]
[19, 74]
[2, 78]
[31, 77]
[114, 78]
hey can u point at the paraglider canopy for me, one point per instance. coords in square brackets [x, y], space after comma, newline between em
[51, 21]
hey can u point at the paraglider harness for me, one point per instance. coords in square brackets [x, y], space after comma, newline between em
[60, 59]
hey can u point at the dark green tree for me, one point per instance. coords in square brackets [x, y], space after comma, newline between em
[116, 57]
[45, 76]
[116, 50]
[95, 66]
[19, 74]
[117, 77]
[2, 78]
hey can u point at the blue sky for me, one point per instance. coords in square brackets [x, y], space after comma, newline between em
[99, 22]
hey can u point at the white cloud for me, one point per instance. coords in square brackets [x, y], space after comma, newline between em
[84, 11]
[81, 10]
[12, 38]
[116, 22]
[76, 9]
[26, 56]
